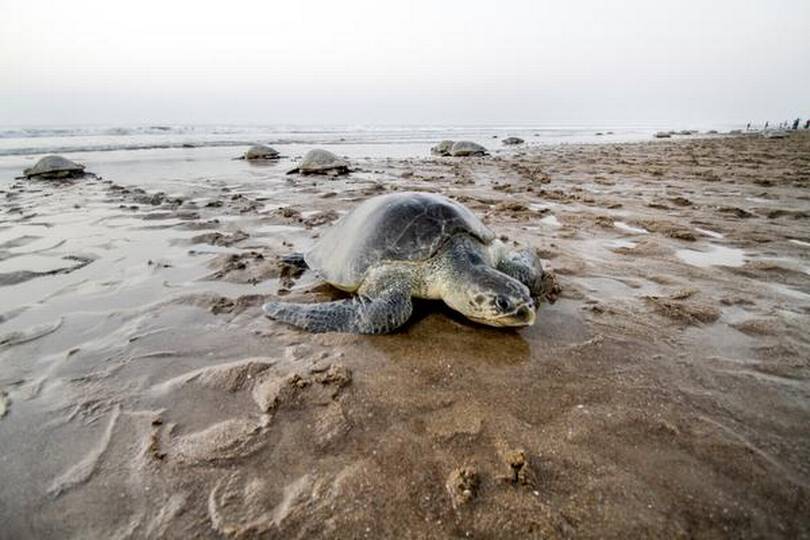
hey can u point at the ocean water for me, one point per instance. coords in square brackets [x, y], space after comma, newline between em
[141, 152]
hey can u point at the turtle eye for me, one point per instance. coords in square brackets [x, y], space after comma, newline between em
[502, 303]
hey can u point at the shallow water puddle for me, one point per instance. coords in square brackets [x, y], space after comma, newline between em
[629, 228]
[788, 263]
[279, 228]
[759, 200]
[723, 193]
[713, 256]
[788, 291]
[550, 220]
[540, 207]
[620, 243]
[712, 234]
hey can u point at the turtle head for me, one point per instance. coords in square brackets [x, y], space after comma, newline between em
[490, 297]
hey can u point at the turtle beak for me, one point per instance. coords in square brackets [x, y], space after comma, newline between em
[522, 316]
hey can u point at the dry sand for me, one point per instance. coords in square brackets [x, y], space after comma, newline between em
[666, 394]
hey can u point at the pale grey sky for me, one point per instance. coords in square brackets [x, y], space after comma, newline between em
[414, 62]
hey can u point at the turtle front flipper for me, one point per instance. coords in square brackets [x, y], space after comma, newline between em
[359, 315]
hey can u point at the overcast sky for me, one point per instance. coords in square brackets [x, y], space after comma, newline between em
[411, 62]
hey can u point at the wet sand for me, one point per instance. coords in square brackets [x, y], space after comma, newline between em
[666, 394]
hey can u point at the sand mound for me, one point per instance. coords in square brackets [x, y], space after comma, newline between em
[682, 311]
[320, 386]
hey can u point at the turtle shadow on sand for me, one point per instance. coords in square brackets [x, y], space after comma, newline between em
[436, 333]
[262, 163]
[435, 322]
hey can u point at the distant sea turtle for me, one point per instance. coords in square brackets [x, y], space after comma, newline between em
[260, 151]
[511, 141]
[319, 161]
[443, 148]
[467, 148]
[399, 246]
[52, 166]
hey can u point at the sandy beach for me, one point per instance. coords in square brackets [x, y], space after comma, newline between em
[666, 394]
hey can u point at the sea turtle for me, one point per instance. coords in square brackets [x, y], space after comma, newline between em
[260, 151]
[511, 141]
[467, 148]
[319, 161]
[399, 246]
[443, 148]
[54, 167]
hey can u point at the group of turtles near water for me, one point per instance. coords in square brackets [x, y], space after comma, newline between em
[315, 161]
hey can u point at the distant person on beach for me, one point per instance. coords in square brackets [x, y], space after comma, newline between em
[796, 124]
[807, 124]
[766, 124]
[748, 127]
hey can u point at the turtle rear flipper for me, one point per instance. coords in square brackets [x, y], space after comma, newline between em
[361, 315]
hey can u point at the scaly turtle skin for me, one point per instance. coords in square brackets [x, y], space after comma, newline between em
[54, 167]
[400, 246]
[319, 161]
[443, 148]
[467, 148]
[260, 151]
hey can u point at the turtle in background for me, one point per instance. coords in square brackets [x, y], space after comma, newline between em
[512, 141]
[260, 152]
[395, 247]
[467, 148]
[443, 148]
[54, 167]
[319, 161]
